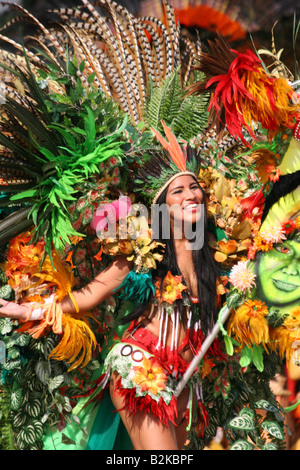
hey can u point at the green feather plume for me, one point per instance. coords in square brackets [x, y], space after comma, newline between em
[60, 138]
[137, 287]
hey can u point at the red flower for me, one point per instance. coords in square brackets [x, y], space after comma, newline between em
[256, 200]
[289, 226]
[252, 252]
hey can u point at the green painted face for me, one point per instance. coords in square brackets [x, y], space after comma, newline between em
[279, 274]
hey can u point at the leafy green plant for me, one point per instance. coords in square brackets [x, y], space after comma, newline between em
[241, 403]
[250, 426]
[61, 143]
[186, 115]
[6, 436]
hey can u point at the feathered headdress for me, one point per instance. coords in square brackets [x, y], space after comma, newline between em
[162, 168]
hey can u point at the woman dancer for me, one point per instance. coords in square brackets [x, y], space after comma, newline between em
[163, 334]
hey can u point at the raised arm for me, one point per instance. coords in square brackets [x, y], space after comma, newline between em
[86, 298]
[100, 288]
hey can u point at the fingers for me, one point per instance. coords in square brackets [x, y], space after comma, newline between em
[3, 303]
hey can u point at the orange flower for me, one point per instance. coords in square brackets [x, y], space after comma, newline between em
[75, 240]
[22, 258]
[172, 288]
[229, 250]
[207, 367]
[150, 376]
[225, 248]
[249, 324]
[69, 259]
[261, 244]
[274, 173]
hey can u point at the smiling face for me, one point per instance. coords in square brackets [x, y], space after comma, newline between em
[184, 199]
[279, 274]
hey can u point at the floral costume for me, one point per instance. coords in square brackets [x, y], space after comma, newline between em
[149, 372]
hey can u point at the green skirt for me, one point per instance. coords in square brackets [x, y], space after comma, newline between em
[100, 428]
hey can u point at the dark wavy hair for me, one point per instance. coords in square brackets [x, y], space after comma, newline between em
[204, 266]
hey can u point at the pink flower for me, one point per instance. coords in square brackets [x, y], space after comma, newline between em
[110, 213]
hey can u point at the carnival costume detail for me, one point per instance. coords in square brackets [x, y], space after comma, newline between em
[87, 135]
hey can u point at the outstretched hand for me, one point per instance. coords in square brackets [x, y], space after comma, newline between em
[13, 310]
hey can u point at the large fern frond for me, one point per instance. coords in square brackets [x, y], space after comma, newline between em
[186, 115]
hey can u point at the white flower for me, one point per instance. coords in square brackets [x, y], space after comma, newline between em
[273, 233]
[241, 277]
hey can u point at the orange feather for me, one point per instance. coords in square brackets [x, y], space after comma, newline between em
[172, 146]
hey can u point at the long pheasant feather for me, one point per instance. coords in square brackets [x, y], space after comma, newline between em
[46, 32]
[117, 55]
[138, 75]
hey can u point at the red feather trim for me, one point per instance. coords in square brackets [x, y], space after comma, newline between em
[202, 421]
[229, 90]
[134, 404]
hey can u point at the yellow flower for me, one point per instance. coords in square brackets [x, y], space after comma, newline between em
[249, 324]
[150, 376]
[125, 247]
[229, 202]
[172, 288]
